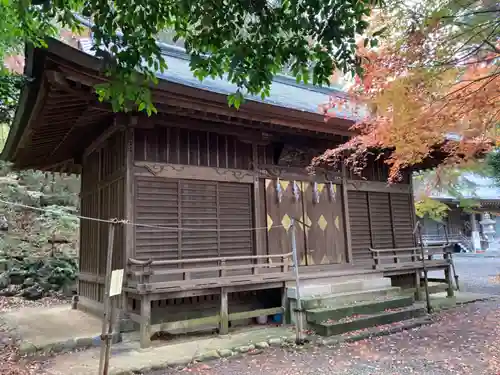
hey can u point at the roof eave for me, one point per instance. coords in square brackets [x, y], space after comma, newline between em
[29, 92]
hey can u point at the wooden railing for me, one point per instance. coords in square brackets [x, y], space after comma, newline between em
[409, 257]
[261, 268]
[454, 238]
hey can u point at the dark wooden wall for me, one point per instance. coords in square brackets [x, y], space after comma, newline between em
[207, 219]
[206, 199]
[219, 209]
[191, 147]
[379, 220]
[102, 196]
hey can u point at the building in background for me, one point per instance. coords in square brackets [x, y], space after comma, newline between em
[464, 227]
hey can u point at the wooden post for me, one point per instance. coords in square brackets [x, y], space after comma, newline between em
[285, 305]
[259, 239]
[106, 323]
[449, 281]
[299, 338]
[145, 326]
[417, 285]
[128, 230]
[224, 315]
[284, 298]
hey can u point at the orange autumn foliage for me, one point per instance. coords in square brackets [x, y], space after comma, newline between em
[417, 105]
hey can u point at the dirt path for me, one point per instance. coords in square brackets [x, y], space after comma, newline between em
[10, 362]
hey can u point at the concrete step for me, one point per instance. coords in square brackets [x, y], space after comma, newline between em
[338, 299]
[331, 328]
[322, 289]
[335, 276]
[317, 316]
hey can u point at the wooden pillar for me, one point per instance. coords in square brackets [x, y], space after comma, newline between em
[145, 325]
[413, 212]
[128, 230]
[345, 204]
[224, 312]
[418, 296]
[129, 194]
[259, 238]
[449, 281]
[285, 304]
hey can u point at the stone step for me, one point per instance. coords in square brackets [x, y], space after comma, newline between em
[338, 299]
[318, 290]
[358, 323]
[320, 315]
[434, 287]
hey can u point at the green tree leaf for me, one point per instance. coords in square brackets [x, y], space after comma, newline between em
[250, 41]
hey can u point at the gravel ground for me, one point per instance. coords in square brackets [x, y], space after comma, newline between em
[477, 275]
[462, 341]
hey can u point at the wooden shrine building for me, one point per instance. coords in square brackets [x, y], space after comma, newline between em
[196, 178]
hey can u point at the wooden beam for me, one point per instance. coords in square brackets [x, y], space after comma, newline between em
[81, 118]
[168, 103]
[391, 213]
[376, 186]
[298, 173]
[57, 79]
[59, 165]
[257, 199]
[129, 200]
[35, 112]
[209, 320]
[252, 133]
[91, 278]
[412, 207]
[168, 96]
[115, 127]
[370, 219]
[129, 194]
[179, 171]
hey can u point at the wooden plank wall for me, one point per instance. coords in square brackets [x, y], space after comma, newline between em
[208, 205]
[205, 205]
[190, 147]
[102, 196]
[379, 220]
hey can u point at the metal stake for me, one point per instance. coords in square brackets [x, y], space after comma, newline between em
[299, 339]
[106, 332]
